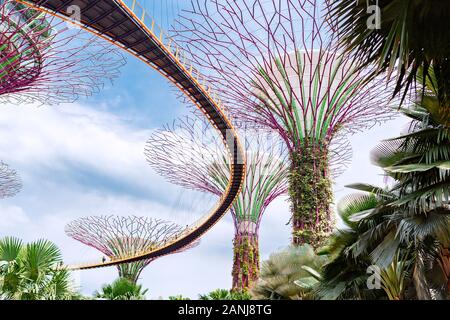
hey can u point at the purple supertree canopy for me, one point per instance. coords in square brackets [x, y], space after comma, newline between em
[10, 183]
[189, 153]
[119, 237]
[272, 63]
[46, 60]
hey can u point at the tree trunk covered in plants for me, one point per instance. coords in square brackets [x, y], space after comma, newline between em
[245, 261]
[311, 195]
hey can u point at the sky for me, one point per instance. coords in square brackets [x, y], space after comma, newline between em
[87, 158]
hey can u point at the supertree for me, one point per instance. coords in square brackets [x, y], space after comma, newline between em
[46, 60]
[273, 64]
[189, 154]
[10, 183]
[119, 236]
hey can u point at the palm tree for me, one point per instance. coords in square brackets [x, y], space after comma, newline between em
[224, 294]
[345, 275]
[282, 270]
[121, 289]
[354, 251]
[419, 161]
[32, 271]
[411, 37]
[405, 230]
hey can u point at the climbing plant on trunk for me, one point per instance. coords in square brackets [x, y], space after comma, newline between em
[190, 154]
[274, 65]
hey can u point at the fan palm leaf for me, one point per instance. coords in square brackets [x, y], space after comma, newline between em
[10, 248]
[121, 289]
[281, 272]
[412, 218]
[39, 257]
[29, 271]
[410, 38]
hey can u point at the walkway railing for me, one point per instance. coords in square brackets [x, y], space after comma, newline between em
[177, 56]
[178, 53]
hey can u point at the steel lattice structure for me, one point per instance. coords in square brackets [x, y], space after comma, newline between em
[273, 64]
[10, 183]
[189, 154]
[118, 237]
[127, 25]
[46, 60]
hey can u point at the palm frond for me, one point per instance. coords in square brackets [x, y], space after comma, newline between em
[10, 248]
[356, 205]
[410, 41]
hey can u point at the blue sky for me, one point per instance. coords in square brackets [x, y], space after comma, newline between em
[87, 158]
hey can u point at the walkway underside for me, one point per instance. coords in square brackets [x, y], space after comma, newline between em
[114, 21]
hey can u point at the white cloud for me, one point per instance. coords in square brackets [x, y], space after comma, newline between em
[11, 216]
[56, 138]
[52, 147]
[43, 144]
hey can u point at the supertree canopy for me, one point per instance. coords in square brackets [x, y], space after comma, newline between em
[189, 154]
[46, 60]
[273, 64]
[118, 237]
[10, 183]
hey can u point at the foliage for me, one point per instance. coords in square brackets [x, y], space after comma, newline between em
[32, 271]
[282, 270]
[419, 161]
[223, 294]
[121, 289]
[345, 276]
[178, 297]
[412, 38]
[404, 230]
[311, 195]
[394, 277]
[246, 262]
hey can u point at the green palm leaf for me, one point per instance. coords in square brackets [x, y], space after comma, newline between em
[10, 248]
[418, 167]
[411, 38]
[354, 207]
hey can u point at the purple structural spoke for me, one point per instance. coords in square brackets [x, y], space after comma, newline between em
[190, 154]
[10, 182]
[274, 64]
[49, 61]
[120, 236]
